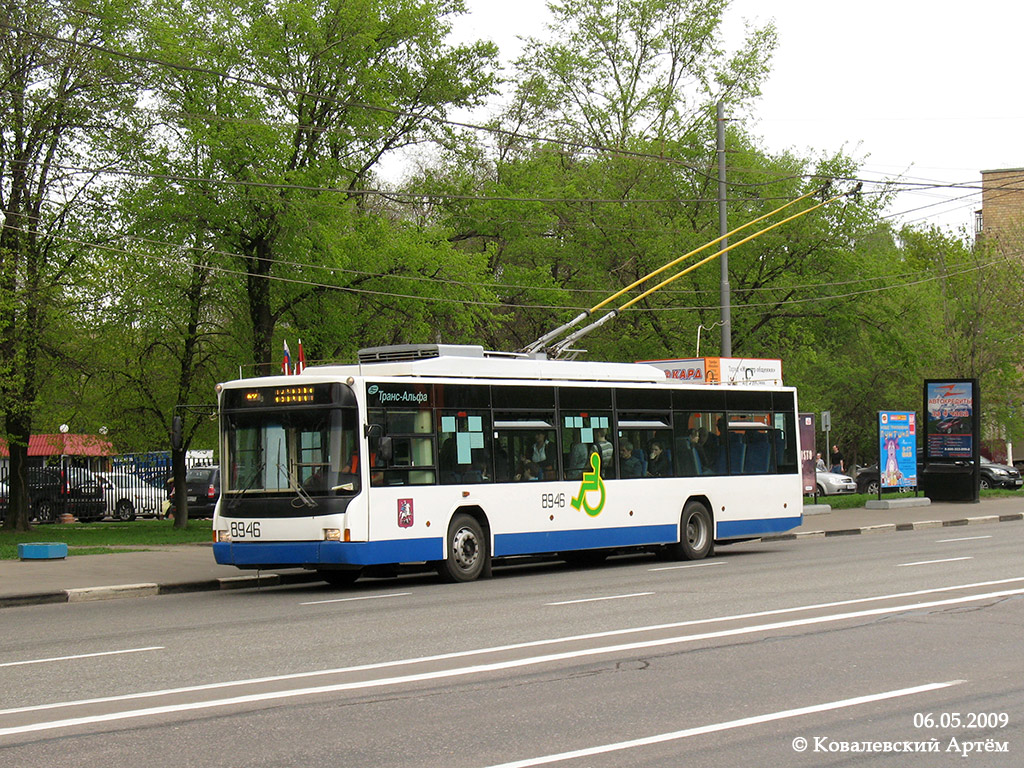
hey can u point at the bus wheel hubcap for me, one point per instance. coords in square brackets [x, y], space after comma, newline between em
[465, 548]
[695, 532]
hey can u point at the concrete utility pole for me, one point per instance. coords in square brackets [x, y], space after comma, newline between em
[723, 228]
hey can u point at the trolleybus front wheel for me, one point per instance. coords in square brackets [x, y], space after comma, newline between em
[467, 550]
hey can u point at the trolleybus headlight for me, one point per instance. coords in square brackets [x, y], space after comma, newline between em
[223, 536]
[332, 534]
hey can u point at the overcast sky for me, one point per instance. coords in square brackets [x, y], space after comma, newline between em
[923, 91]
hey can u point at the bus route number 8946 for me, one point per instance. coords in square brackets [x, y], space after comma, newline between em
[242, 530]
[552, 500]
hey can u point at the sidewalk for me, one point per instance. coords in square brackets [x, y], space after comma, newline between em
[191, 568]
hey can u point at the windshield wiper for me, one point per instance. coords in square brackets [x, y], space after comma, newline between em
[239, 494]
[300, 493]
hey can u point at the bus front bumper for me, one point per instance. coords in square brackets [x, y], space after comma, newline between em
[312, 554]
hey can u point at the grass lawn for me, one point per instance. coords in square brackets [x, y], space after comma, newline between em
[103, 538]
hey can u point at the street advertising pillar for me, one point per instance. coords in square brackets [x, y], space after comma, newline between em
[952, 440]
[809, 476]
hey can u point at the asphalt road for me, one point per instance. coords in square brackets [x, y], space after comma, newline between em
[868, 650]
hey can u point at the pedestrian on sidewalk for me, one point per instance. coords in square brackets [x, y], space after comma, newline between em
[837, 460]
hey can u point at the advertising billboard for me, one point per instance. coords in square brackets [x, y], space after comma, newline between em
[897, 449]
[950, 414]
[807, 451]
[690, 369]
[718, 370]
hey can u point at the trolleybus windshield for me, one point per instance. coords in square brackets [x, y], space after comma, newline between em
[297, 447]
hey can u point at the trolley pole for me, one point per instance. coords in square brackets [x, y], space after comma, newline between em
[723, 228]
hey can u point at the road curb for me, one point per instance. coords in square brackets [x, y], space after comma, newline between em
[894, 527]
[117, 591]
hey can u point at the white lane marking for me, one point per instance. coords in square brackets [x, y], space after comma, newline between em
[965, 538]
[81, 656]
[933, 562]
[691, 565]
[503, 648]
[383, 682]
[352, 599]
[728, 725]
[598, 599]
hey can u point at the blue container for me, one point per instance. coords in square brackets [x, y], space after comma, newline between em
[46, 551]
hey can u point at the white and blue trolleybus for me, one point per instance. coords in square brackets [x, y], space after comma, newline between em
[454, 456]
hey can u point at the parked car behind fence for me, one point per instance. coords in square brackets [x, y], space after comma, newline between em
[129, 495]
[203, 487]
[55, 491]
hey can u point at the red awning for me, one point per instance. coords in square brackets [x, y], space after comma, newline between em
[65, 445]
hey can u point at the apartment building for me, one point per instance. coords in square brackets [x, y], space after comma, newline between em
[1001, 216]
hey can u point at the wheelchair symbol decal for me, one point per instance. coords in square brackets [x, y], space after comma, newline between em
[592, 483]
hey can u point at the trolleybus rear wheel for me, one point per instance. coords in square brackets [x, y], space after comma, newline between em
[696, 534]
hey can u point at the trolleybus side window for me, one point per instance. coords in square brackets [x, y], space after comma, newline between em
[404, 414]
[751, 443]
[584, 435]
[412, 448]
[463, 456]
[585, 425]
[525, 446]
[698, 449]
[524, 430]
[648, 436]
[784, 407]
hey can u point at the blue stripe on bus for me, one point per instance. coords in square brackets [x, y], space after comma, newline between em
[590, 538]
[731, 529]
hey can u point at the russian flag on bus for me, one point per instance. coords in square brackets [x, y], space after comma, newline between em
[300, 366]
[286, 363]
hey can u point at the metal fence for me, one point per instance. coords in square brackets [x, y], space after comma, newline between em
[133, 485]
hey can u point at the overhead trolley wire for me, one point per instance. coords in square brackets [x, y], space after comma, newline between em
[539, 343]
[562, 347]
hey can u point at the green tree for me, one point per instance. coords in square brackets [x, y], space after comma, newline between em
[605, 170]
[290, 109]
[65, 112]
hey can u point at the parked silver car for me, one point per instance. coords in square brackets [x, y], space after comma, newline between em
[129, 495]
[833, 483]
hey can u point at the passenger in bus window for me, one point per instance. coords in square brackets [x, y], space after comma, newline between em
[705, 450]
[657, 461]
[603, 448]
[501, 466]
[542, 452]
[576, 462]
[629, 463]
[530, 471]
